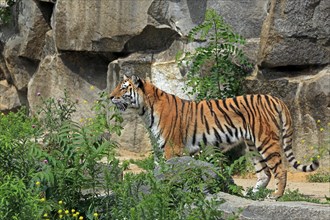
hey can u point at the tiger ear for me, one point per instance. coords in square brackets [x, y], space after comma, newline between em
[125, 77]
[136, 80]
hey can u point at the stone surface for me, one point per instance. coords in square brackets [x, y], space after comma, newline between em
[9, 97]
[117, 26]
[259, 210]
[19, 68]
[82, 76]
[295, 33]
[245, 17]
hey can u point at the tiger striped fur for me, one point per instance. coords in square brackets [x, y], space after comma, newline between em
[263, 122]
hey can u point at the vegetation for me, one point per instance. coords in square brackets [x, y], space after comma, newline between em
[216, 69]
[50, 170]
[5, 11]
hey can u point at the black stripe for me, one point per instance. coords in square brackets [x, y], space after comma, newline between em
[291, 159]
[218, 137]
[287, 148]
[270, 156]
[151, 117]
[304, 169]
[204, 139]
[258, 171]
[195, 126]
[267, 148]
[207, 125]
[202, 114]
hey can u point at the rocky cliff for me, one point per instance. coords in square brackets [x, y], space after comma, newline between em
[85, 46]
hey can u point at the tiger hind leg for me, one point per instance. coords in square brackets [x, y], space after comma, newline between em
[262, 170]
[272, 157]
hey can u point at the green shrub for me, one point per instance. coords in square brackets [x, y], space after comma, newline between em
[215, 70]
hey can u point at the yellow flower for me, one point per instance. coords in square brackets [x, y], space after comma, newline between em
[95, 214]
[318, 121]
[321, 129]
[302, 141]
[60, 211]
[73, 211]
[60, 202]
[45, 215]
[85, 101]
[81, 218]
[318, 156]
[61, 216]
[66, 211]
[298, 162]
[74, 215]
[92, 88]
[77, 213]
[312, 148]
[37, 183]
[42, 199]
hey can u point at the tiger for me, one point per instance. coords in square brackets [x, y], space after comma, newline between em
[262, 122]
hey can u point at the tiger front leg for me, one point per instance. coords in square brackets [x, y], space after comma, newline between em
[171, 150]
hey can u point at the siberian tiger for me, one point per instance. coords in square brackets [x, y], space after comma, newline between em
[263, 122]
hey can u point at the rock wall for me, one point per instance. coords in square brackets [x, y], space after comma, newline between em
[85, 47]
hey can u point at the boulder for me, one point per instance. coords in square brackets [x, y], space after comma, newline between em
[9, 97]
[295, 33]
[245, 17]
[114, 26]
[19, 68]
[23, 50]
[82, 76]
[258, 210]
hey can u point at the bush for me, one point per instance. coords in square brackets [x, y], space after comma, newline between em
[216, 70]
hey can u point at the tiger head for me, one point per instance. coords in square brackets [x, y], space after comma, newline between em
[127, 93]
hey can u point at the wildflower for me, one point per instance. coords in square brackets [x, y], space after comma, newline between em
[85, 101]
[61, 216]
[318, 121]
[77, 213]
[60, 202]
[95, 214]
[38, 93]
[66, 211]
[312, 148]
[59, 211]
[42, 200]
[321, 129]
[2, 113]
[81, 218]
[45, 215]
[37, 183]
[92, 88]
[318, 156]
[298, 162]
[81, 120]
[33, 126]
[45, 161]
[73, 211]
[302, 141]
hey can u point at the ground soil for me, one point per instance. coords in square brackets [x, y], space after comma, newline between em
[296, 180]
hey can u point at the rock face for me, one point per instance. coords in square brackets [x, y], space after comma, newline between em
[258, 210]
[295, 33]
[86, 46]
